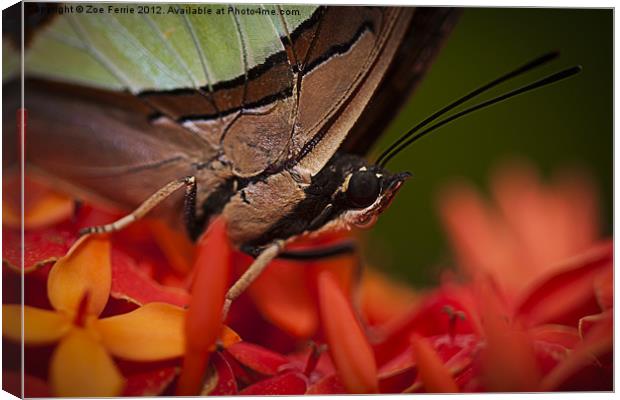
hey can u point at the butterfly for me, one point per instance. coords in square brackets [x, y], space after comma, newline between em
[260, 114]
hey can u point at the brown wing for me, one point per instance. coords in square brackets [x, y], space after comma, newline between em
[422, 42]
[104, 143]
[292, 110]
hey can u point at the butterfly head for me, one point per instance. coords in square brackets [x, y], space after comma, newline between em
[351, 193]
[367, 192]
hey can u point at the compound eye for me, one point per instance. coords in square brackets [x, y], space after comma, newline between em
[363, 189]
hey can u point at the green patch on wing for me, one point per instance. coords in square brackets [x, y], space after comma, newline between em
[175, 49]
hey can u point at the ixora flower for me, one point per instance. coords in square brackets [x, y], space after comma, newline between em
[78, 288]
[329, 327]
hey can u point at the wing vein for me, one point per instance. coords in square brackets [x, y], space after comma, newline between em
[144, 51]
[99, 56]
[149, 20]
[203, 61]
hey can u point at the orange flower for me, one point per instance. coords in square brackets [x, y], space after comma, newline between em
[78, 288]
[530, 228]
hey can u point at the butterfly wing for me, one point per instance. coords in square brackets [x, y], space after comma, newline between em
[142, 99]
[424, 38]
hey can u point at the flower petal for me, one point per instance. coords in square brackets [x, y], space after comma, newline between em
[42, 206]
[50, 209]
[433, 373]
[597, 343]
[329, 384]
[569, 294]
[85, 270]
[151, 332]
[176, 246]
[506, 345]
[604, 289]
[566, 336]
[221, 380]
[150, 383]
[203, 323]
[348, 345]
[258, 358]
[383, 299]
[81, 367]
[41, 247]
[132, 284]
[289, 383]
[478, 236]
[40, 326]
[282, 297]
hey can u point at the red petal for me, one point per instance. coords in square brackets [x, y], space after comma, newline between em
[330, 384]
[428, 319]
[258, 358]
[204, 316]
[313, 360]
[348, 346]
[595, 325]
[150, 383]
[589, 365]
[289, 383]
[225, 382]
[130, 283]
[568, 295]
[41, 247]
[604, 289]
[566, 336]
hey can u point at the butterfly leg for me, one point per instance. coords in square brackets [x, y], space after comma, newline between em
[256, 268]
[156, 198]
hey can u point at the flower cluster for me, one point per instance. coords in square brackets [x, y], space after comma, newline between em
[139, 312]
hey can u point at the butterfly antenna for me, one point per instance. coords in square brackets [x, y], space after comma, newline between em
[538, 61]
[558, 76]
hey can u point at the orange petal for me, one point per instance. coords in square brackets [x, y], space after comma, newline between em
[85, 270]
[228, 337]
[80, 366]
[384, 299]
[433, 373]
[203, 323]
[479, 236]
[149, 333]
[175, 245]
[282, 297]
[40, 326]
[348, 346]
[50, 209]
[42, 207]
[509, 362]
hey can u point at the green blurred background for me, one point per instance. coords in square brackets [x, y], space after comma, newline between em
[564, 125]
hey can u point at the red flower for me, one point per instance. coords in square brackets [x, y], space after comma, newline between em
[529, 310]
